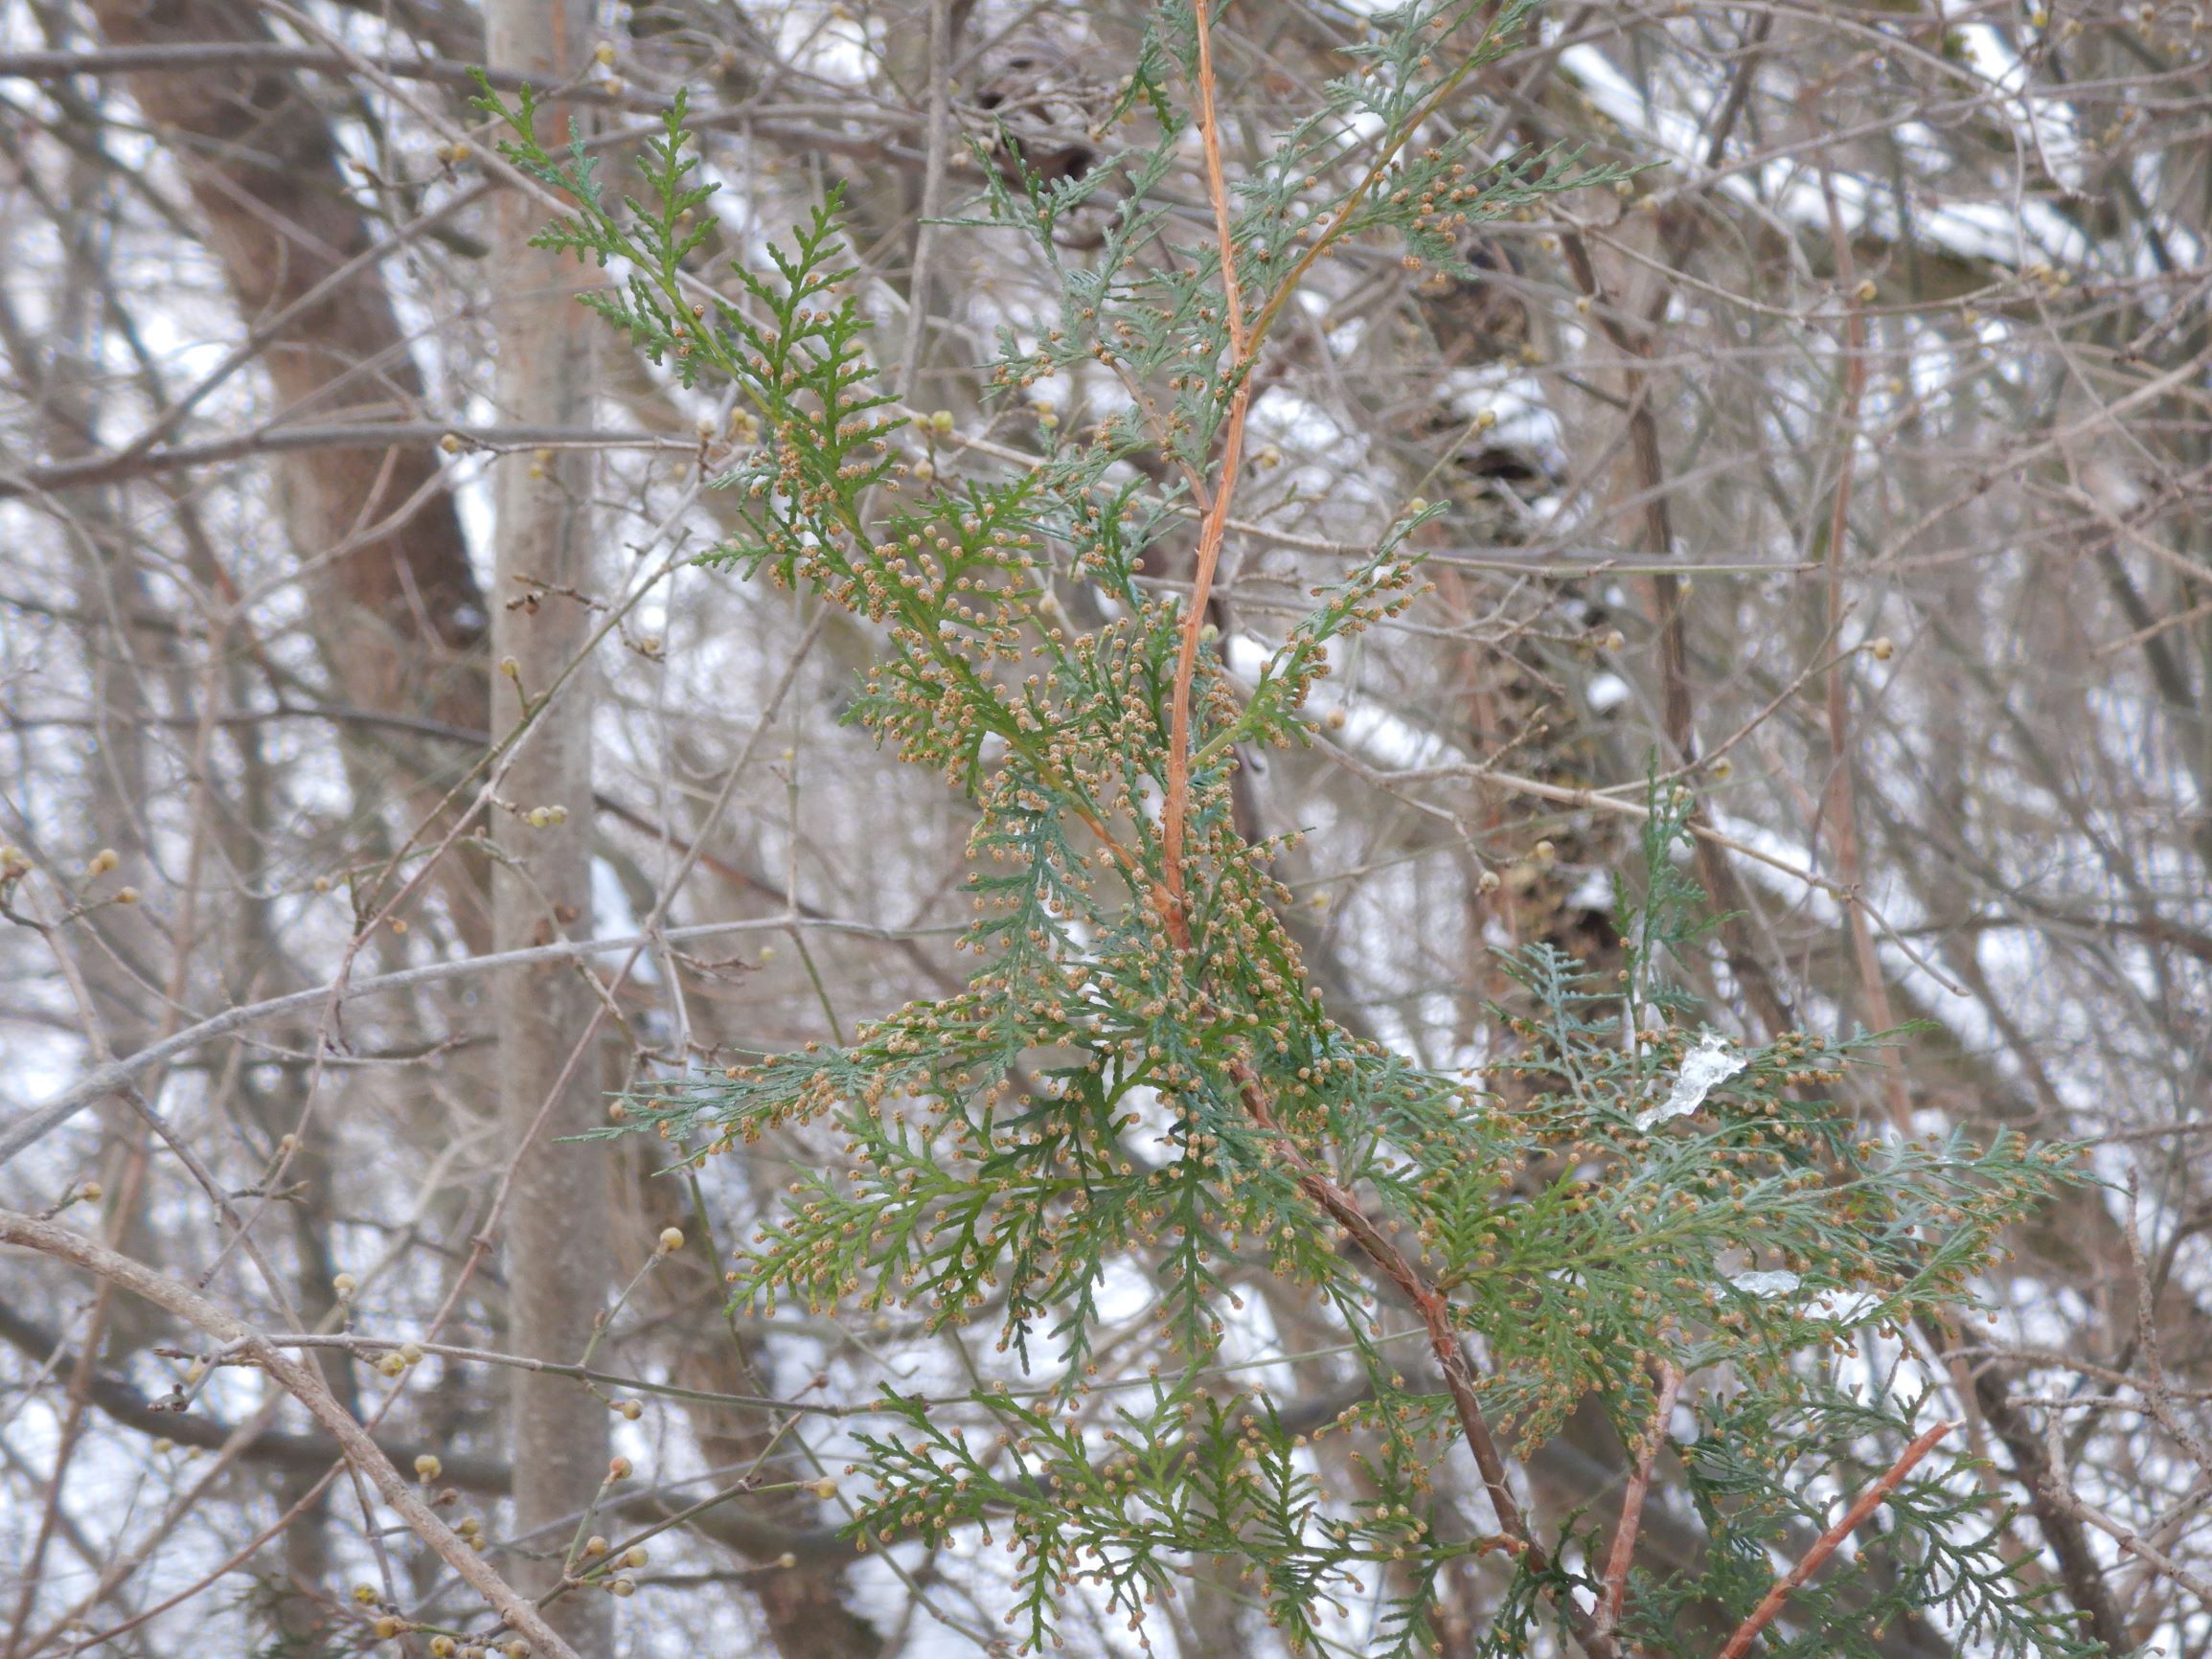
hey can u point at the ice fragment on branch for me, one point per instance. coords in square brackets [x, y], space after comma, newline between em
[1709, 1061]
[1766, 1283]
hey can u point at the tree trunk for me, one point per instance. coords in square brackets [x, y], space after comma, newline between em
[398, 614]
[557, 1226]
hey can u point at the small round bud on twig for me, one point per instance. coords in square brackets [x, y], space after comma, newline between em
[618, 1468]
[428, 1467]
[1884, 649]
[345, 1285]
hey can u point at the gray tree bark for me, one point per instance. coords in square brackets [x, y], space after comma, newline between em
[556, 1229]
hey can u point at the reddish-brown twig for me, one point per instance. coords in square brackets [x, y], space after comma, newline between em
[1870, 1500]
[1623, 1548]
[1176, 804]
[1244, 340]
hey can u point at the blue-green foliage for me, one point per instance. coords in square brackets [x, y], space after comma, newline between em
[1101, 1094]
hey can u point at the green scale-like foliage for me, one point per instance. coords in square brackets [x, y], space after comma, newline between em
[1100, 1095]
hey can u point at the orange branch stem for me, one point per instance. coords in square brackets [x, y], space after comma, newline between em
[1175, 806]
[1245, 341]
[1623, 1548]
[1829, 1541]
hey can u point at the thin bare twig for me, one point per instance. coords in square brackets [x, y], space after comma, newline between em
[1841, 801]
[104, 1080]
[305, 1384]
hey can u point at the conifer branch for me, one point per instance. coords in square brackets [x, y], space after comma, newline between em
[1830, 1541]
[1147, 963]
